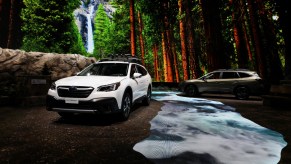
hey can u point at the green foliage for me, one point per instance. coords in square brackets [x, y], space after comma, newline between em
[102, 32]
[121, 28]
[112, 36]
[48, 26]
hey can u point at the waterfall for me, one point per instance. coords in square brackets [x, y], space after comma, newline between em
[90, 41]
[84, 16]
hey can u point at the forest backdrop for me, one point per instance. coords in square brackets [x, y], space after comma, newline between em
[175, 39]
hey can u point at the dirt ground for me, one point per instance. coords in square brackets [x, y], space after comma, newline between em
[34, 135]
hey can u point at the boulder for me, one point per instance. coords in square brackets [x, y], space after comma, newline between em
[18, 63]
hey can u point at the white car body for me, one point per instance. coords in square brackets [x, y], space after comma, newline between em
[101, 93]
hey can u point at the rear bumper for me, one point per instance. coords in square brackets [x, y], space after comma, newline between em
[99, 105]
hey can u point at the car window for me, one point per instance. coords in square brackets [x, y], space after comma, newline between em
[132, 70]
[215, 75]
[229, 75]
[243, 75]
[106, 69]
[141, 70]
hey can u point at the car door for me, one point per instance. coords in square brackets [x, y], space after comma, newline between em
[144, 81]
[228, 81]
[211, 82]
[135, 83]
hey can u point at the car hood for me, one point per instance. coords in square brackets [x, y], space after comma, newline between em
[93, 81]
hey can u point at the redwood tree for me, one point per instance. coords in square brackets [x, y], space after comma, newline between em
[183, 40]
[193, 55]
[215, 48]
[238, 32]
[273, 63]
[260, 61]
[132, 27]
[141, 40]
[284, 20]
[168, 42]
[156, 62]
[165, 56]
[10, 23]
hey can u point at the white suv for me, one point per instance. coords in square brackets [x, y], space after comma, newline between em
[111, 85]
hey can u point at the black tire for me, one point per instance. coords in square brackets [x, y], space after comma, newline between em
[66, 114]
[241, 92]
[191, 90]
[147, 100]
[125, 106]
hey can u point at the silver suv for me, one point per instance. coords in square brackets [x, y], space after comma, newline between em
[240, 82]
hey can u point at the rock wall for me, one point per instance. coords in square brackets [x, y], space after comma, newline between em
[18, 63]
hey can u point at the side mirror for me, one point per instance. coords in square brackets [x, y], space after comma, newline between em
[136, 75]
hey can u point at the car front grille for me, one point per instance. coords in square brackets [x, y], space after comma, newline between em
[74, 91]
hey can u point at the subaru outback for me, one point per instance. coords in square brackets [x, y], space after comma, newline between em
[240, 82]
[111, 85]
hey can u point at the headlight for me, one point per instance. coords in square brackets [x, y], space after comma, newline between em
[53, 86]
[108, 88]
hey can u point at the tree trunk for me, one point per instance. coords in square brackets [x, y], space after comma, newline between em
[175, 60]
[273, 63]
[169, 68]
[132, 28]
[260, 63]
[183, 40]
[239, 37]
[4, 22]
[194, 60]
[156, 62]
[11, 25]
[248, 38]
[247, 41]
[169, 44]
[141, 40]
[1, 17]
[165, 63]
[216, 55]
[284, 20]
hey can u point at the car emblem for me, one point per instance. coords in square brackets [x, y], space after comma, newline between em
[73, 89]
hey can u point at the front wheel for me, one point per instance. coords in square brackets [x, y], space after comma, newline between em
[241, 93]
[126, 106]
[191, 91]
[147, 100]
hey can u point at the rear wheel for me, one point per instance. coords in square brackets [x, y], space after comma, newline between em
[241, 93]
[126, 106]
[191, 90]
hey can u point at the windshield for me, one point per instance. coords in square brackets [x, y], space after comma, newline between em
[105, 69]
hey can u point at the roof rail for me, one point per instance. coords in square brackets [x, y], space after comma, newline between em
[237, 69]
[121, 57]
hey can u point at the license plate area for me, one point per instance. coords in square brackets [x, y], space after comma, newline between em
[71, 101]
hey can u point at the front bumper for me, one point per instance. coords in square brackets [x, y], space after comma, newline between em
[99, 105]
